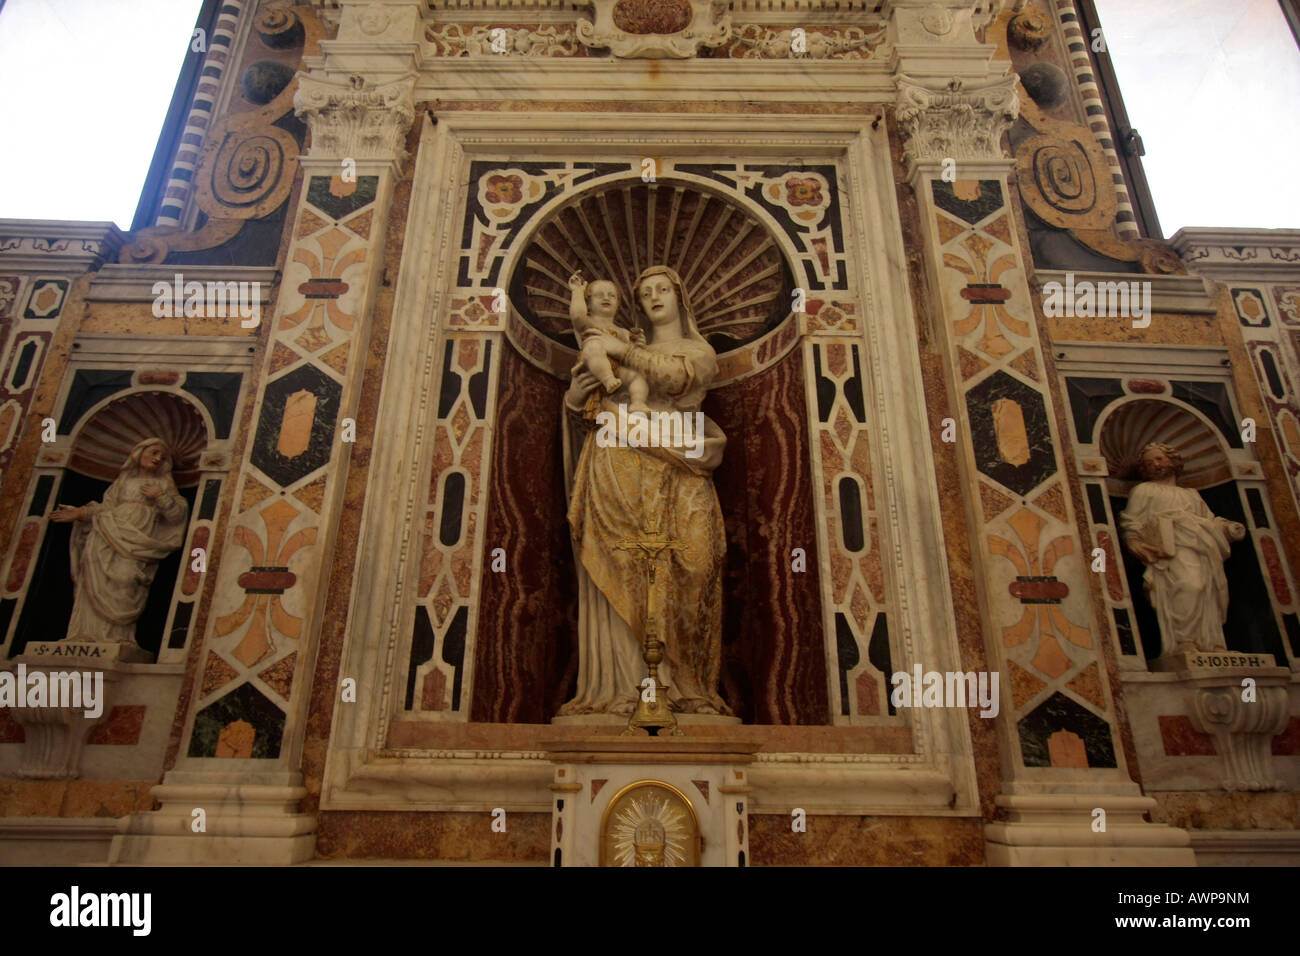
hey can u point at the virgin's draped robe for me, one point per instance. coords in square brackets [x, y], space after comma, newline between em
[115, 555]
[1187, 585]
[616, 494]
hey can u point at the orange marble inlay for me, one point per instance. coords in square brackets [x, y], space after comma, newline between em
[1067, 749]
[1275, 573]
[836, 359]
[1114, 587]
[22, 556]
[295, 427]
[1026, 364]
[433, 695]
[312, 494]
[236, 740]
[1009, 426]
[1087, 684]
[1050, 659]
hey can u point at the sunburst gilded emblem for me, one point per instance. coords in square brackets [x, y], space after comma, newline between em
[650, 824]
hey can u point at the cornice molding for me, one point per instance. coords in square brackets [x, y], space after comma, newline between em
[57, 246]
[1253, 254]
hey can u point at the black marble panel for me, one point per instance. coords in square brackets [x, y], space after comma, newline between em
[881, 657]
[450, 380]
[245, 703]
[453, 651]
[453, 507]
[974, 210]
[89, 388]
[340, 207]
[1257, 510]
[1271, 374]
[988, 458]
[421, 650]
[266, 456]
[1124, 630]
[1088, 399]
[1096, 503]
[41, 496]
[181, 624]
[211, 492]
[1059, 712]
[478, 382]
[219, 393]
[847, 648]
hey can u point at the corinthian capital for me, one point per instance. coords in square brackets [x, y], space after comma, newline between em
[963, 121]
[356, 120]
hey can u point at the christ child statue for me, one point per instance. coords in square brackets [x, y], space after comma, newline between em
[592, 308]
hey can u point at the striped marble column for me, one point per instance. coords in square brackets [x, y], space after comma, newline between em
[1081, 63]
[181, 178]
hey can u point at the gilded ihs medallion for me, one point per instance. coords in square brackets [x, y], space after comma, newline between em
[650, 823]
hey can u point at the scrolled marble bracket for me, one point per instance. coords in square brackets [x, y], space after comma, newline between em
[963, 121]
[54, 737]
[1242, 730]
[656, 29]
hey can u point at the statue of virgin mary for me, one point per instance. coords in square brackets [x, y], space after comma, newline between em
[619, 491]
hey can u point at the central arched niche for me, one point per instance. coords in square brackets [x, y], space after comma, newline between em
[774, 665]
[735, 273]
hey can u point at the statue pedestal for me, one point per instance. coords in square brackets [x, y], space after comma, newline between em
[1240, 700]
[62, 694]
[650, 801]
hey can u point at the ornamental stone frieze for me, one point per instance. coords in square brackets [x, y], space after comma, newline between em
[962, 121]
[356, 119]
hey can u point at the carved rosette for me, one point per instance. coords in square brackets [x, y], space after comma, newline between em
[355, 120]
[674, 29]
[960, 121]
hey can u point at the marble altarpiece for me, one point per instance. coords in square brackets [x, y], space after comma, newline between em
[858, 210]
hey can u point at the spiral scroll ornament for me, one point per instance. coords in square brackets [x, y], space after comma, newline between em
[249, 173]
[1058, 180]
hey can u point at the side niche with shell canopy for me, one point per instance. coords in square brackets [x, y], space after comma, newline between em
[735, 273]
[108, 437]
[1132, 426]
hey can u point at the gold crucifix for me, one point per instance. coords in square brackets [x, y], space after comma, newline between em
[652, 712]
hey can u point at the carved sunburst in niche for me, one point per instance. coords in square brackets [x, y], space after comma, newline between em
[736, 277]
[1131, 427]
[103, 445]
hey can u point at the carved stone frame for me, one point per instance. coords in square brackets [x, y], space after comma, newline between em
[938, 777]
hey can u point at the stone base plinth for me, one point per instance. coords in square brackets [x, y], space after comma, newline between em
[1062, 829]
[242, 823]
[650, 801]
